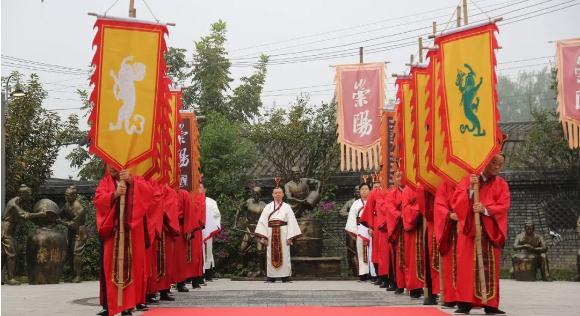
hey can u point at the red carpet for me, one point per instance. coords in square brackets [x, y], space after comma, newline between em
[297, 310]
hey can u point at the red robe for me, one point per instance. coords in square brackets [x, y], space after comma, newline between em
[446, 237]
[197, 239]
[494, 194]
[426, 205]
[169, 235]
[107, 212]
[395, 234]
[376, 206]
[183, 245]
[154, 226]
[413, 234]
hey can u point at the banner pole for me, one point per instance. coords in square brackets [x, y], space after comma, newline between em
[360, 55]
[458, 16]
[132, 10]
[465, 19]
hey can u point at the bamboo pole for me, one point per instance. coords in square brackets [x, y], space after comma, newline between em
[478, 248]
[458, 16]
[465, 19]
[121, 248]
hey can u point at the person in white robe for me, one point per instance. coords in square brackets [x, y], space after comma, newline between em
[276, 229]
[212, 228]
[360, 232]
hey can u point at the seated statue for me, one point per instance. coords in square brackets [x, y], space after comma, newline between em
[303, 194]
[531, 248]
[345, 209]
[251, 210]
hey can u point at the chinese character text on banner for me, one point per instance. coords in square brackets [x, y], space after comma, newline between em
[360, 93]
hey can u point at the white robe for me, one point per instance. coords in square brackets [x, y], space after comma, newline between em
[212, 227]
[289, 231]
[361, 233]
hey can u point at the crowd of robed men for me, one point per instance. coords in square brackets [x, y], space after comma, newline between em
[410, 239]
[166, 240]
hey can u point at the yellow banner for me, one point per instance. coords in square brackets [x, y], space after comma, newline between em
[406, 139]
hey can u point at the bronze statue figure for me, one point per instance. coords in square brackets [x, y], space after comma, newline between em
[45, 246]
[73, 216]
[16, 210]
[303, 194]
[251, 210]
[531, 252]
[345, 209]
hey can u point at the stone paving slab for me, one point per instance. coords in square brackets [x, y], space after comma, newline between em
[518, 298]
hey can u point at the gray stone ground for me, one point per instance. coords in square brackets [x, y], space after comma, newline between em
[518, 298]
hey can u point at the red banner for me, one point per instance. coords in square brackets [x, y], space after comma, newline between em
[569, 89]
[130, 94]
[188, 152]
[360, 92]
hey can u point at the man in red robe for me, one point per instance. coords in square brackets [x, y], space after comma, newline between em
[166, 251]
[414, 242]
[394, 206]
[183, 244]
[493, 206]
[137, 193]
[373, 218]
[197, 240]
[154, 226]
[445, 220]
[431, 259]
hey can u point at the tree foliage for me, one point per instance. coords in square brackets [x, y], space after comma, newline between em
[245, 103]
[34, 137]
[225, 155]
[304, 136]
[529, 91]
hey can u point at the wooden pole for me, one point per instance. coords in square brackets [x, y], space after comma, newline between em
[434, 28]
[132, 10]
[420, 49]
[121, 249]
[478, 249]
[360, 54]
[465, 19]
[458, 16]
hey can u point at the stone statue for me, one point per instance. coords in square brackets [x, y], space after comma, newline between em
[45, 246]
[350, 240]
[303, 194]
[531, 248]
[73, 216]
[16, 210]
[251, 209]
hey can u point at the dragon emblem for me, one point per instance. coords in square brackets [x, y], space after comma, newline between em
[465, 82]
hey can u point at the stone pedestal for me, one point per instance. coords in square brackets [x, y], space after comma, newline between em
[307, 260]
[316, 266]
[45, 255]
[525, 268]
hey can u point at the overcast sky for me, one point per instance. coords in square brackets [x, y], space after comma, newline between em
[304, 38]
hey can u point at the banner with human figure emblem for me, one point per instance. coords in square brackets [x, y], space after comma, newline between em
[406, 141]
[131, 94]
[360, 93]
[569, 89]
[436, 155]
[469, 96]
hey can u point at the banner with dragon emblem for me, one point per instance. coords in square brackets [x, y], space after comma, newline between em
[130, 94]
[469, 96]
[436, 155]
[425, 176]
[568, 52]
[360, 93]
[188, 152]
[406, 141]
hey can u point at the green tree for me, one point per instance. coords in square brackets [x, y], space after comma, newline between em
[211, 71]
[34, 137]
[179, 71]
[246, 102]
[305, 136]
[518, 97]
[225, 155]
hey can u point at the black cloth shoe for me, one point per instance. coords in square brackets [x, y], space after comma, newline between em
[181, 287]
[195, 284]
[493, 311]
[378, 282]
[127, 312]
[270, 280]
[286, 280]
[164, 296]
[151, 300]
[463, 309]
[399, 291]
[142, 307]
[416, 293]
[103, 312]
[448, 305]
[430, 300]
[391, 287]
